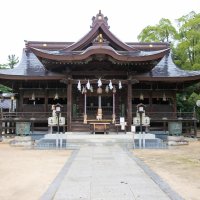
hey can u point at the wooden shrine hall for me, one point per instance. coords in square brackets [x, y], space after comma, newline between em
[97, 79]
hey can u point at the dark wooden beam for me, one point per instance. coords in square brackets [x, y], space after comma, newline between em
[104, 81]
[46, 100]
[114, 73]
[20, 102]
[129, 104]
[69, 104]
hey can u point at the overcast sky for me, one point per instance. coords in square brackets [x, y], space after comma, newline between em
[69, 20]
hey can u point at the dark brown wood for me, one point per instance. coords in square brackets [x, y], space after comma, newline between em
[69, 105]
[129, 105]
[150, 101]
[20, 108]
[98, 51]
[99, 127]
[175, 103]
[1, 127]
[114, 73]
[46, 101]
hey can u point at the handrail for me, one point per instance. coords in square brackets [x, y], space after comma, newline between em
[152, 115]
[171, 115]
[28, 114]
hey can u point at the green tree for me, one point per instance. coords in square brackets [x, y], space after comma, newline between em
[164, 31]
[5, 89]
[12, 60]
[3, 66]
[187, 52]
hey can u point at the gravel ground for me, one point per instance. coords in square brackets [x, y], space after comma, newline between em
[179, 166]
[26, 174]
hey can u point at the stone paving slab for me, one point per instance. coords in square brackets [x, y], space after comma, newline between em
[107, 173]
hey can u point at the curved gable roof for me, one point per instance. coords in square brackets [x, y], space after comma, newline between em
[106, 50]
[99, 26]
[31, 67]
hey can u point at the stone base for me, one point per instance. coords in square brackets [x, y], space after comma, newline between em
[177, 140]
[22, 141]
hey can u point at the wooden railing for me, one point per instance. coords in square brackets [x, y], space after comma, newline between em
[28, 115]
[95, 108]
[45, 115]
[171, 115]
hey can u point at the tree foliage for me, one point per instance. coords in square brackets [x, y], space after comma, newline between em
[186, 50]
[12, 60]
[186, 39]
[5, 89]
[3, 66]
[164, 31]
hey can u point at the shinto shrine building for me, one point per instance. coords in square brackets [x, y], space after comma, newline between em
[98, 78]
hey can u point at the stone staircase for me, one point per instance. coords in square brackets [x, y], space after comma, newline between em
[76, 140]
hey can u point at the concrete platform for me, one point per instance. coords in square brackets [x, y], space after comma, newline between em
[102, 172]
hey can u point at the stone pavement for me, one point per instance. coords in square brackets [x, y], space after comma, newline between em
[104, 172]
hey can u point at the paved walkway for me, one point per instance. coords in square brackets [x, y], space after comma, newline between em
[105, 172]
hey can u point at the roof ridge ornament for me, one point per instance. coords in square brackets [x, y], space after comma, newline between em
[100, 40]
[99, 19]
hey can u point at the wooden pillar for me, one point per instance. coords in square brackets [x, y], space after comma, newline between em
[20, 104]
[6, 126]
[69, 105]
[150, 102]
[46, 95]
[129, 105]
[175, 102]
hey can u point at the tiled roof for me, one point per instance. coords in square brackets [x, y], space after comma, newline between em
[30, 66]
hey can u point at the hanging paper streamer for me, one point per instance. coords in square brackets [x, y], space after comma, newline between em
[79, 85]
[110, 85]
[120, 85]
[99, 83]
[88, 85]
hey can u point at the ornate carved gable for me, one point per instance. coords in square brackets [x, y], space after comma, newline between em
[100, 28]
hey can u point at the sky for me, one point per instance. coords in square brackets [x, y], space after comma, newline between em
[70, 20]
